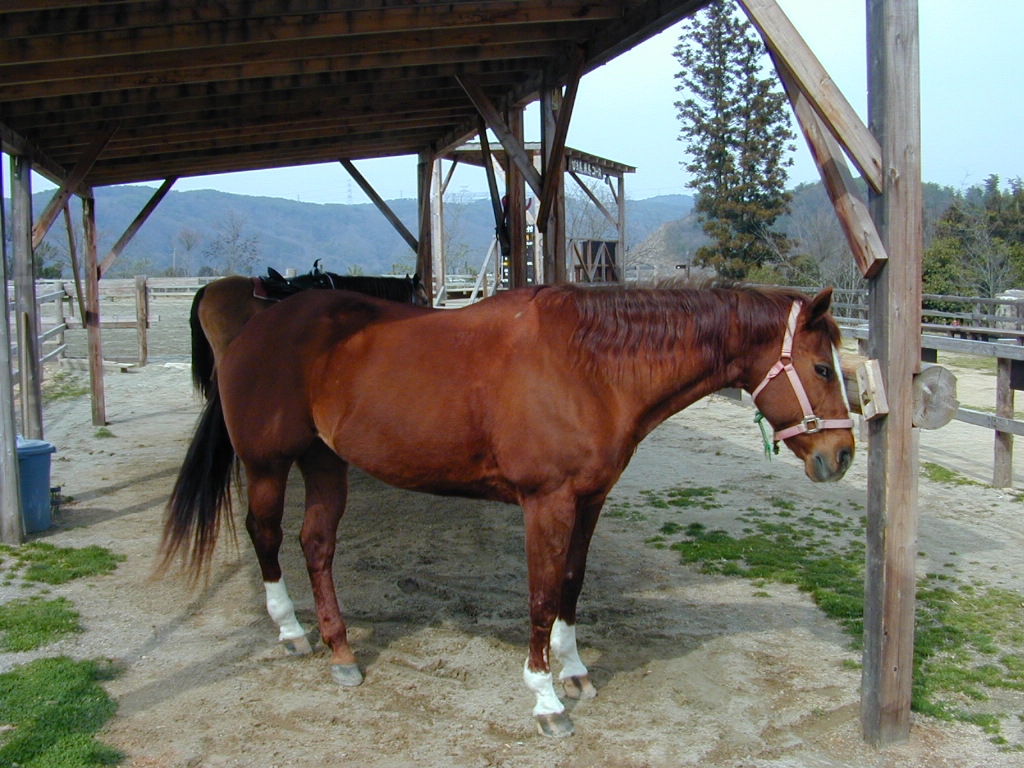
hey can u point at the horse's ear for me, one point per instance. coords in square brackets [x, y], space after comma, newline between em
[818, 307]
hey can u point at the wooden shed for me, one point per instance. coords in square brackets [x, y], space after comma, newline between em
[99, 92]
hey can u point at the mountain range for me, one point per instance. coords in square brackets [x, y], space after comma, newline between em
[188, 230]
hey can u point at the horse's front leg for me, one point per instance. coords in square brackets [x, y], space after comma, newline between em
[326, 478]
[549, 525]
[574, 675]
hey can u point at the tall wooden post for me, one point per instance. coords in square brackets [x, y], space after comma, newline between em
[1002, 468]
[424, 254]
[12, 531]
[895, 316]
[25, 307]
[438, 246]
[553, 240]
[516, 206]
[92, 311]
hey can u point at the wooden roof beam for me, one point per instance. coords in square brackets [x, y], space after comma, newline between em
[553, 164]
[382, 206]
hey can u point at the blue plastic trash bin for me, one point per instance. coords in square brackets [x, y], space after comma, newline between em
[34, 473]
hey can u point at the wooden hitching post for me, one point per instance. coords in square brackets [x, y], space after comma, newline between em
[25, 308]
[895, 316]
[92, 311]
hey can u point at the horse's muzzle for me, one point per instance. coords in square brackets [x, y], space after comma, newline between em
[823, 467]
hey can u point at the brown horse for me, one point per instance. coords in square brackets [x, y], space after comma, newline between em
[536, 397]
[222, 307]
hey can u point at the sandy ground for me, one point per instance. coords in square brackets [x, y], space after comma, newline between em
[692, 669]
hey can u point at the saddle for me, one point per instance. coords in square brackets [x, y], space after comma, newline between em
[276, 286]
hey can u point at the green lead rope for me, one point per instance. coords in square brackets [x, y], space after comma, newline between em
[769, 446]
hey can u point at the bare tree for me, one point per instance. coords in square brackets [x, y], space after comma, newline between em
[186, 241]
[231, 249]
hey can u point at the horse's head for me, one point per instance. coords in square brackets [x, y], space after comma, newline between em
[420, 295]
[801, 390]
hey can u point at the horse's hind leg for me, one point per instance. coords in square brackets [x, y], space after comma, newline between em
[266, 489]
[326, 477]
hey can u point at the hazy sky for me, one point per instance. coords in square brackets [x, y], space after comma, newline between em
[972, 108]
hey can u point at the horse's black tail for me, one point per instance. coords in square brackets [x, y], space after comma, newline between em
[201, 493]
[202, 352]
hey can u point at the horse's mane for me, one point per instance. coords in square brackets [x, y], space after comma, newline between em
[655, 321]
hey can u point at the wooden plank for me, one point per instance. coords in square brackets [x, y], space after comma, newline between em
[424, 254]
[510, 139]
[854, 217]
[142, 317]
[378, 201]
[134, 227]
[895, 317]
[68, 186]
[990, 421]
[783, 41]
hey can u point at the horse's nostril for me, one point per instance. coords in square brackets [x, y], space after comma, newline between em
[845, 459]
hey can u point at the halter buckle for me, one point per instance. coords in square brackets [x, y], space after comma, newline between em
[812, 424]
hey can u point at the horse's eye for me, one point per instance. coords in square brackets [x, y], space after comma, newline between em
[825, 371]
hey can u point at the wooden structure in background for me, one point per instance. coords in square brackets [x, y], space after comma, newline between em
[97, 92]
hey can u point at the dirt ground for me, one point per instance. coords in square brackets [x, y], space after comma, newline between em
[692, 669]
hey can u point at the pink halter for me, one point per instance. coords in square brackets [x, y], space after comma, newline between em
[810, 423]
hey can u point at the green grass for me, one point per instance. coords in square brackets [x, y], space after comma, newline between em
[64, 385]
[103, 433]
[969, 640]
[53, 708]
[939, 474]
[43, 562]
[33, 622]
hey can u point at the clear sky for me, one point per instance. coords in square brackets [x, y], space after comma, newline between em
[972, 108]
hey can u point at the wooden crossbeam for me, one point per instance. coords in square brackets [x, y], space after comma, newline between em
[593, 198]
[70, 184]
[513, 147]
[382, 206]
[134, 227]
[553, 163]
[786, 44]
[853, 214]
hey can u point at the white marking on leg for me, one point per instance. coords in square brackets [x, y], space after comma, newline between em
[563, 643]
[282, 611]
[540, 683]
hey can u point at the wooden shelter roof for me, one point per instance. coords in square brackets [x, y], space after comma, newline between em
[193, 88]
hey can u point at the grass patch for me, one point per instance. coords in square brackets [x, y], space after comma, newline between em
[53, 709]
[970, 638]
[64, 385]
[33, 622]
[49, 564]
[937, 473]
[103, 433]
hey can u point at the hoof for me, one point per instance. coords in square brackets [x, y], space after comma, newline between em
[556, 725]
[297, 646]
[346, 674]
[579, 687]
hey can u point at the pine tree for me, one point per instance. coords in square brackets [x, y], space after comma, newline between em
[737, 131]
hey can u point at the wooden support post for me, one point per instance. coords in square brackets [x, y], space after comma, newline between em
[92, 312]
[12, 531]
[500, 224]
[142, 316]
[516, 206]
[553, 241]
[620, 197]
[424, 253]
[437, 232]
[554, 143]
[25, 308]
[895, 317]
[1002, 473]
